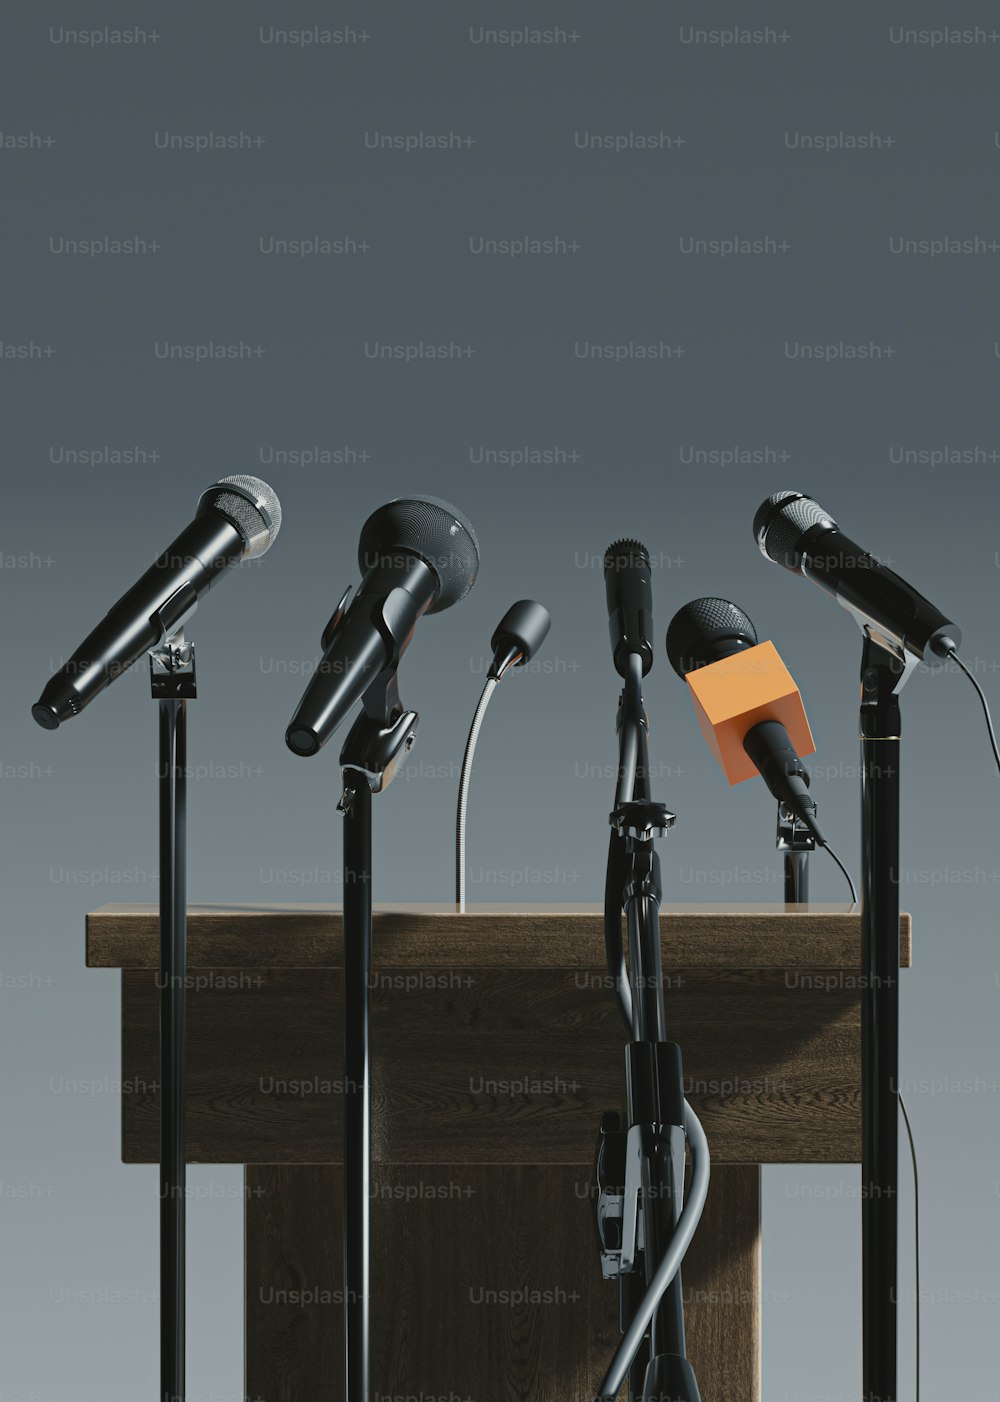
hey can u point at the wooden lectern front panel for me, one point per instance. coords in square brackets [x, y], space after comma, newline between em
[487, 1281]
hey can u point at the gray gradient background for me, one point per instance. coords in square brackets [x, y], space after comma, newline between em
[79, 806]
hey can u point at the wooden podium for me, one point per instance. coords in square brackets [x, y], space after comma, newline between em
[497, 1046]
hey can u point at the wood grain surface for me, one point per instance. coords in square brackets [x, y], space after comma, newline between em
[495, 1065]
[127, 937]
[487, 1282]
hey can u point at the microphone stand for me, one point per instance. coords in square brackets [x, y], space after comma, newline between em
[796, 842]
[884, 672]
[640, 1169]
[382, 734]
[172, 685]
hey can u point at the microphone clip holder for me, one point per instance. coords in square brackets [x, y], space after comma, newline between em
[617, 1173]
[172, 675]
[793, 835]
[794, 842]
[372, 753]
[384, 732]
[884, 648]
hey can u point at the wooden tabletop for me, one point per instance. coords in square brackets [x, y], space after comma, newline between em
[310, 936]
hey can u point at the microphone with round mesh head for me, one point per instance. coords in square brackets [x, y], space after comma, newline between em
[237, 518]
[748, 707]
[706, 630]
[417, 555]
[795, 532]
[251, 506]
[781, 524]
[427, 529]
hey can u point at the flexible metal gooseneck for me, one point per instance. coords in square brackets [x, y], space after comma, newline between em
[463, 788]
[518, 636]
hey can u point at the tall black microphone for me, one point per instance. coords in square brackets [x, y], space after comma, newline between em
[237, 519]
[417, 555]
[745, 708]
[630, 603]
[794, 531]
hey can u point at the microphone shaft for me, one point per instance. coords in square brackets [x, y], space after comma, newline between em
[860, 582]
[164, 596]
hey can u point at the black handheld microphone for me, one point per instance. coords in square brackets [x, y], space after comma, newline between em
[237, 519]
[794, 531]
[630, 603]
[417, 555]
[745, 711]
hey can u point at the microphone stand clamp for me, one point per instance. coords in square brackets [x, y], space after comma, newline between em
[171, 669]
[642, 819]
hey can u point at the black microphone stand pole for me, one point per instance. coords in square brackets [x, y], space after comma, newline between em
[172, 682]
[883, 674]
[640, 1167]
[379, 738]
[795, 841]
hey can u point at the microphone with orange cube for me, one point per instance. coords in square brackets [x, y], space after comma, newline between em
[747, 704]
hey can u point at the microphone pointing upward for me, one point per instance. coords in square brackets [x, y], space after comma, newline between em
[630, 603]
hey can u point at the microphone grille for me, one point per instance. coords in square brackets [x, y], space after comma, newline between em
[699, 631]
[782, 521]
[625, 555]
[252, 507]
[433, 530]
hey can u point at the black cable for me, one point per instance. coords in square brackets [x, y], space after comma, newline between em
[916, 1229]
[985, 705]
[847, 874]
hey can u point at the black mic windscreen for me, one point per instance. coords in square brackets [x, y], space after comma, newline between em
[524, 626]
[434, 532]
[705, 631]
[782, 521]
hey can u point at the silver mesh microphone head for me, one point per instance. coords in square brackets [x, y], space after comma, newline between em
[782, 521]
[252, 507]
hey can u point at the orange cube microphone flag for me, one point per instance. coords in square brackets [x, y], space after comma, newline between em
[736, 693]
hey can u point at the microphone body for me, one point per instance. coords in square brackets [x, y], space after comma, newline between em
[630, 603]
[222, 533]
[796, 533]
[777, 761]
[372, 636]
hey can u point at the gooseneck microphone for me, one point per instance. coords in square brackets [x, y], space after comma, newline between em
[516, 639]
[237, 519]
[630, 603]
[417, 555]
[792, 530]
[745, 700]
